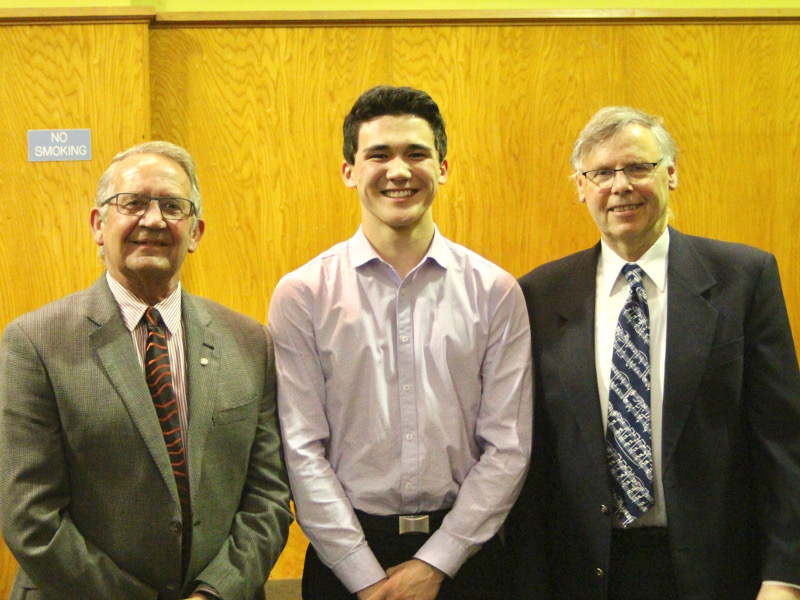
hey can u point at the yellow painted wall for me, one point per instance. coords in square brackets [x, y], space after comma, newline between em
[338, 5]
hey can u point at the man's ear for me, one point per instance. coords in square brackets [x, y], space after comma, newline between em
[672, 171]
[347, 175]
[96, 223]
[197, 233]
[579, 182]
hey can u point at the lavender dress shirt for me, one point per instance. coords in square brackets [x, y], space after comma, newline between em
[402, 396]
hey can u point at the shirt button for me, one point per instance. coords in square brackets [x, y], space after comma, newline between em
[409, 486]
[404, 292]
[404, 339]
[406, 388]
[409, 436]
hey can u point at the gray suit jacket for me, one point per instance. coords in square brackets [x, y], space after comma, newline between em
[88, 501]
[731, 429]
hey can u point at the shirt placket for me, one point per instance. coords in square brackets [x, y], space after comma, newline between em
[409, 474]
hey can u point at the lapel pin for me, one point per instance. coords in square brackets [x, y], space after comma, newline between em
[204, 361]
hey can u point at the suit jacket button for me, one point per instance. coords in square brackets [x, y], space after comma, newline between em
[600, 572]
[175, 526]
[172, 587]
[604, 509]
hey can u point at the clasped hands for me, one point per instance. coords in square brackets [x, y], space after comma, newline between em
[411, 580]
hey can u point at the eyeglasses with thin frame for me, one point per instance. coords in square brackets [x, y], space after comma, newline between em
[133, 204]
[635, 173]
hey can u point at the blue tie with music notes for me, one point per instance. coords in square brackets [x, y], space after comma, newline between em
[628, 435]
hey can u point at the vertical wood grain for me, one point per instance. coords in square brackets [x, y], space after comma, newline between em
[261, 110]
[60, 77]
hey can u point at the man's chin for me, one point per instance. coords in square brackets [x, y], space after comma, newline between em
[155, 267]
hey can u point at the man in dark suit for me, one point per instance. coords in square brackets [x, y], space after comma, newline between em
[666, 454]
[95, 497]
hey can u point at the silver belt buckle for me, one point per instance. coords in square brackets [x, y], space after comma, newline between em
[414, 524]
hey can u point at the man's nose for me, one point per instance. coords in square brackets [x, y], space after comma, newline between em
[152, 216]
[398, 169]
[620, 183]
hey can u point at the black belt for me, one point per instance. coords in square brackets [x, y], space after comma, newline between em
[641, 536]
[402, 524]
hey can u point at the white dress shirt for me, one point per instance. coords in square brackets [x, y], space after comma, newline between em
[133, 310]
[400, 397]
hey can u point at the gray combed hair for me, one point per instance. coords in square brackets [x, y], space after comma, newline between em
[166, 149]
[609, 121]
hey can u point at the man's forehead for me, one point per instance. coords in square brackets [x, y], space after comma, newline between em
[151, 166]
[405, 123]
[633, 139]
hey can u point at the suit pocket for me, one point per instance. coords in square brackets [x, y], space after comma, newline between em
[232, 414]
[727, 352]
[24, 588]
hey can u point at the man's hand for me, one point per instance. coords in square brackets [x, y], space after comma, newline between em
[413, 580]
[373, 592]
[776, 591]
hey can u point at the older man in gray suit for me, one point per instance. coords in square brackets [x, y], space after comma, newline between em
[99, 495]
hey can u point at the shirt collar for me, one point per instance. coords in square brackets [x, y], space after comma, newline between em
[362, 252]
[133, 308]
[653, 263]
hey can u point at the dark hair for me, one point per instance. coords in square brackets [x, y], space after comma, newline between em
[389, 100]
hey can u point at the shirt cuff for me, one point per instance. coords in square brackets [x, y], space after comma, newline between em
[791, 585]
[204, 588]
[359, 570]
[446, 552]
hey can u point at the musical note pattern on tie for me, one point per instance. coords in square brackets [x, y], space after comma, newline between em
[158, 374]
[628, 435]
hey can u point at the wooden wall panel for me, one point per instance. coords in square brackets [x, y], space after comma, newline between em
[261, 109]
[511, 103]
[60, 77]
[729, 96]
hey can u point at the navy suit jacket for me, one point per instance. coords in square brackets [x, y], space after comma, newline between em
[731, 429]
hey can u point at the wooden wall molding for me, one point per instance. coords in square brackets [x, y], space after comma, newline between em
[41, 16]
[470, 17]
[62, 16]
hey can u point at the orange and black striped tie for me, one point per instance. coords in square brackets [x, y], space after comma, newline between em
[159, 380]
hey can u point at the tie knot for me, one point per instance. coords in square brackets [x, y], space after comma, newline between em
[152, 318]
[635, 277]
[634, 274]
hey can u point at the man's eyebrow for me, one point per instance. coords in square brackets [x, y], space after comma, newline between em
[376, 148]
[384, 147]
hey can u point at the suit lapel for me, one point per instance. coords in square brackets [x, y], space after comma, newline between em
[577, 369]
[202, 372]
[112, 342]
[691, 323]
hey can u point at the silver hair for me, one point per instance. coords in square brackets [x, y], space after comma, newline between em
[166, 149]
[609, 121]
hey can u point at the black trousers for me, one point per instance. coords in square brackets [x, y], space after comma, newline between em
[480, 578]
[641, 565]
